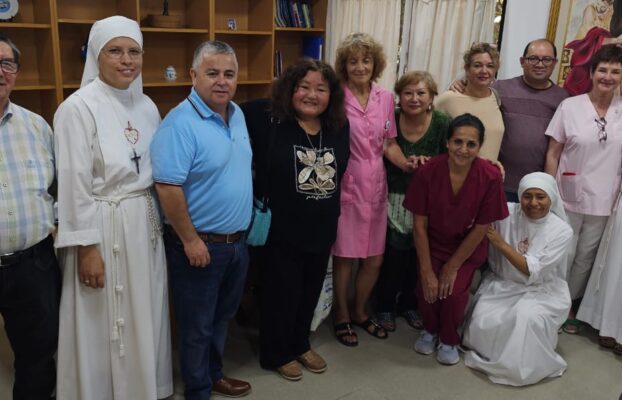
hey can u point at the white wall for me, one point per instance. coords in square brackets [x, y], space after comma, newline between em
[525, 20]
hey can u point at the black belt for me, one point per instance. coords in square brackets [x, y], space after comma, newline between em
[10, 259]
[213, 237]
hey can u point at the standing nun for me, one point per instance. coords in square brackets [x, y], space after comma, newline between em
[114, 326]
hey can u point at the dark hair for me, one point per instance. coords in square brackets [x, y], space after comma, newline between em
[333, 118]
[609, 53]
[467, 120]
[543, 40]
[16, 53]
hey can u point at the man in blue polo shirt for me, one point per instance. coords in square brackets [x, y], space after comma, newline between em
[201, 159]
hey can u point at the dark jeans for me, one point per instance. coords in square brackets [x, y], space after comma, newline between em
[29, 303]
[204, 299]
[291, 281]
[395, 289]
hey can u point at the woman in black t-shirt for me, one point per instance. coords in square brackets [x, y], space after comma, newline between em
[300, 144]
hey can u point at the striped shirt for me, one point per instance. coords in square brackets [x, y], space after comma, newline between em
[26, 173]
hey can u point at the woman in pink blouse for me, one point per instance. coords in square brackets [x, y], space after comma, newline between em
[584, 156]
[363, 221]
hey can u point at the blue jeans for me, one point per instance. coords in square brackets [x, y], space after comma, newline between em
[204, 299]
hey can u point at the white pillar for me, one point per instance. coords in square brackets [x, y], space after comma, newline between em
[525, 20]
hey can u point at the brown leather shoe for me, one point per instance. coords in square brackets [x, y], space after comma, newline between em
[230, 387]
[312, 361]
[290, 371]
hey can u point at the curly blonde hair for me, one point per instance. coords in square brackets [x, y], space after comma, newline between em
[479, 48]
[356, 43]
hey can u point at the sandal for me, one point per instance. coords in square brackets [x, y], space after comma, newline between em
[413, 319]
[607, 342]
[571, 326]
[617, 349]
[386, 320]
[377, 331]
[345, 329]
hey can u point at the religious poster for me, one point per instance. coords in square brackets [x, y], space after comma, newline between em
[589, 24]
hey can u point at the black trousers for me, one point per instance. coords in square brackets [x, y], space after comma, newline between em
[395, 289]
[29, 302]
[291, 281]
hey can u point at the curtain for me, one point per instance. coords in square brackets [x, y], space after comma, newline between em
[437, 32]
[379, 18]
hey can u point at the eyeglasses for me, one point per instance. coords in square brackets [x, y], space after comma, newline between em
[9, 66]
[602, 134]
[117, 52]
[546, 61]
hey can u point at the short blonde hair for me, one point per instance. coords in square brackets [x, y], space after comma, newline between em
[479, 48]
[356, 43]
[413, 78]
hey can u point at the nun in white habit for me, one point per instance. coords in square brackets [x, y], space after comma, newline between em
[524, 298]
[114, 340]
[601, 306]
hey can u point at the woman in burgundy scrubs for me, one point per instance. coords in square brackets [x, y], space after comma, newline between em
[454, 197]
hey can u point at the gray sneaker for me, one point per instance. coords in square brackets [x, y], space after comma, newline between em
[426, 344]
[447, 354]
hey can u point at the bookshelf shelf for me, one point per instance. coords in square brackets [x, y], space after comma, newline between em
[50, 34]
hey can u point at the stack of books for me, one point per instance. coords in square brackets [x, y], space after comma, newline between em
[294, 13]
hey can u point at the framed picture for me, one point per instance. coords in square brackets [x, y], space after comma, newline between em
[231, 24]
[579, 28]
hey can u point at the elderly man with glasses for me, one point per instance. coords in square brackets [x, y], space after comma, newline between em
[29, 272]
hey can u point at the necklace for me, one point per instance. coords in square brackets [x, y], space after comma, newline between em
[131, 134]
[311, 143]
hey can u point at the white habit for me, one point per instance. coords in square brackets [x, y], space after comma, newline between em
[601, 306]
[513, 327]
[114, 342]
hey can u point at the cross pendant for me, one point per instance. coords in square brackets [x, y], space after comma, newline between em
[136, 159]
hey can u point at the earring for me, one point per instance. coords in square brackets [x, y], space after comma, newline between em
[430, 107]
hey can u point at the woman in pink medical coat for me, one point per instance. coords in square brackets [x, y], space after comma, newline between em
[363, 221]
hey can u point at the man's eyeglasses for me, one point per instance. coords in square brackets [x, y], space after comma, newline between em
[117, 52]
[9, 66]
[534, 60]
[602, 134]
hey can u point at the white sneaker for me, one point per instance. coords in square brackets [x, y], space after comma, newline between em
[426, 344]
[447, 354]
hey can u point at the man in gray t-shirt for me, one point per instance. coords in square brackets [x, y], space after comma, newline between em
[528, 103]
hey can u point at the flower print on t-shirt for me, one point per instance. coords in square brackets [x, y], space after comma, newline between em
[315, 171]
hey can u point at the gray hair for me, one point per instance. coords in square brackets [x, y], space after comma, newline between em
[16, 53]
[209, 48]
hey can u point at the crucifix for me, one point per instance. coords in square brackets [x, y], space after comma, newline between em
[136, 159]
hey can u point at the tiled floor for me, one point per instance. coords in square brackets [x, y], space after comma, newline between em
[391, 370]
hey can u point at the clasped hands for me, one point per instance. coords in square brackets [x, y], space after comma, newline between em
[441, 287]
[414, 162]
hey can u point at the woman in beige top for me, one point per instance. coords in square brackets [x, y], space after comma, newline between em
[481, 62]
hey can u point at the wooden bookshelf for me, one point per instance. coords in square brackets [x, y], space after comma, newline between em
[50, 33]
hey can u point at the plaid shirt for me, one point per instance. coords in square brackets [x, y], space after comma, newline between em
[26, 173]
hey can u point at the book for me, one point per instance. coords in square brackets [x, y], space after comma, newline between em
[279, 18]
[306, 11]
[312, 47]
[295, 15]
